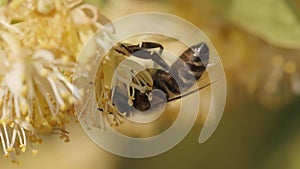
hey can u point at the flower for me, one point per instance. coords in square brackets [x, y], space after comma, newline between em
[39, 44]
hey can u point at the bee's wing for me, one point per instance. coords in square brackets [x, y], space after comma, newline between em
[205, 81]
[213, 63]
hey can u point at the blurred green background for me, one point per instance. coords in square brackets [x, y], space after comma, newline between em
[259, 44]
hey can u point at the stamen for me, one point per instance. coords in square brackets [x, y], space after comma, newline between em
[6, 135]
[10, 27]
[46, 97]
[3, 144]
[34, 151]
[150, 97]
[46, 48]
[3, 59]
[5, 113]
[130, 98]
[13, 138]
[24, 136]
[23, 106]
[21, 145]
[64, 63]
[70, 86]
[56, 93]
[17, 108]
[13, 158]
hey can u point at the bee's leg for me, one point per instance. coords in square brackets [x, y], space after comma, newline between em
[142, 46]
[131, 48]
[152, 45]
[144, 53]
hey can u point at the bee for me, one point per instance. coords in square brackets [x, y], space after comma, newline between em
[170, 82]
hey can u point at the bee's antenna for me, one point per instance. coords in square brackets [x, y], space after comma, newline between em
[186, 94]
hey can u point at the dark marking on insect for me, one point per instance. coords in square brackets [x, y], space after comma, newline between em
[142, 51]
[174, 80]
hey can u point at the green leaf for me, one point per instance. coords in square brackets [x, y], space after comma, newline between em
[3, 2]
[276, 21]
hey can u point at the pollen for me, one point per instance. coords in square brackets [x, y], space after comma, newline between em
[38, 53]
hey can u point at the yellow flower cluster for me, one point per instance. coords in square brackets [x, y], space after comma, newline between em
[39, 43]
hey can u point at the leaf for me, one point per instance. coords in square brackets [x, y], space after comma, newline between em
[3, 2]
[275, 21]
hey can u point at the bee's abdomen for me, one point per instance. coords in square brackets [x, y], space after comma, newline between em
[196, 58]
[165, 82]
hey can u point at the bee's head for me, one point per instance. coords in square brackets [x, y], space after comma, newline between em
[141, 101]
[149, 101]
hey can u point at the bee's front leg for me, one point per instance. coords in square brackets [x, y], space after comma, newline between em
[143, 51]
